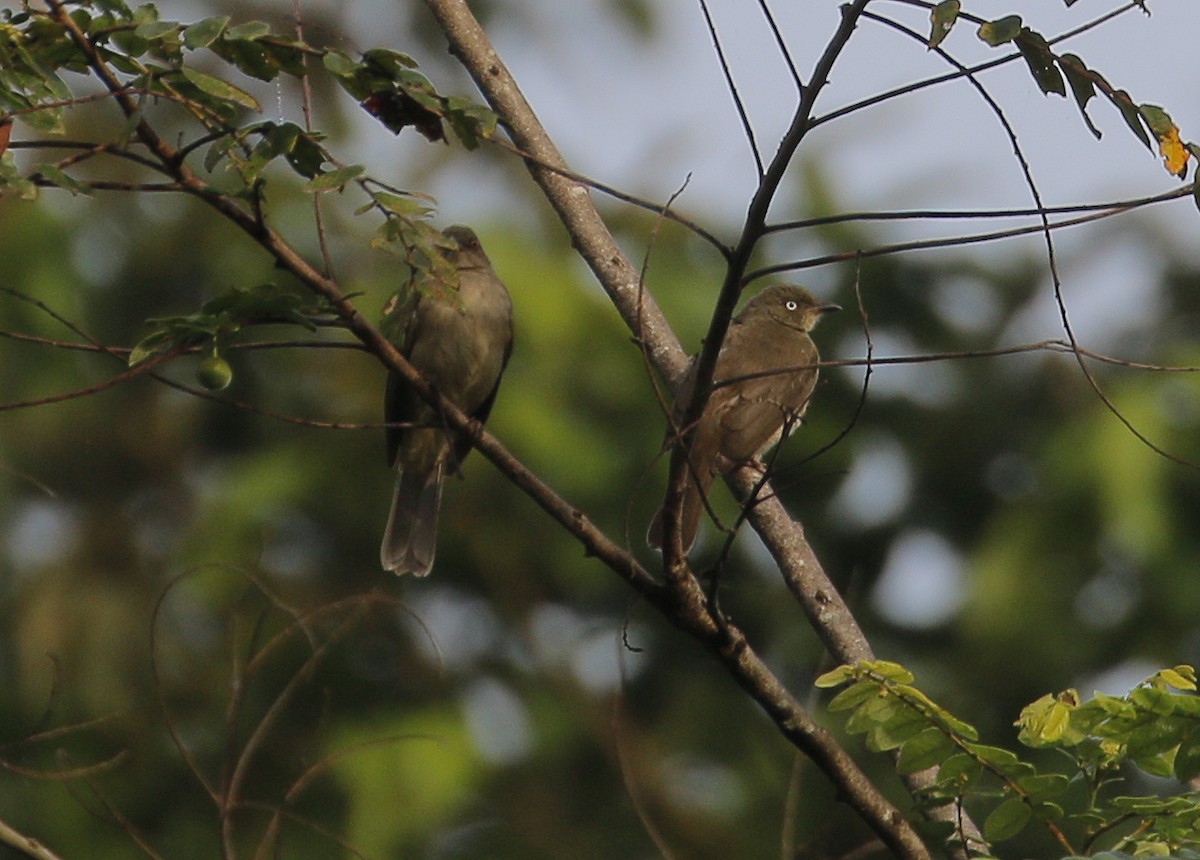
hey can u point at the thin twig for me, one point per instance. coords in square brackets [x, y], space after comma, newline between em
[1051, 254]
[307, 104]
[966, 71]
[955, 241]
[731, 86]
[781, 43]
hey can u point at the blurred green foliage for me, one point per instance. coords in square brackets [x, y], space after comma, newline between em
[170, 564]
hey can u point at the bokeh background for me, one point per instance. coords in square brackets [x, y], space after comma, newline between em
[170, 564]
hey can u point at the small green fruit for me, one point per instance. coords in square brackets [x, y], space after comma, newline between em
[214, 373]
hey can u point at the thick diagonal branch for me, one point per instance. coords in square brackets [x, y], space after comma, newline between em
[620, 279]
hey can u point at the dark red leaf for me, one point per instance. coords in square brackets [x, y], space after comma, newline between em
[397, 110]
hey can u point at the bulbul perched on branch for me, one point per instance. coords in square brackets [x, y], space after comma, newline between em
[457, 330]
[764, 377]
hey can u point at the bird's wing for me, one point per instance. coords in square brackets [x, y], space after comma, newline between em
[402, 326]
[752, 413]
[462, 445]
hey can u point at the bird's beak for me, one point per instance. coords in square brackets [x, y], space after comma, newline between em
[829, 307]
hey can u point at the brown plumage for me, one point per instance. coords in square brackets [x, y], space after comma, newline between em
[750, 406]
[458, 333]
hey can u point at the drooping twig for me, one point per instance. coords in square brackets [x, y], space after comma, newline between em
[1051, 253]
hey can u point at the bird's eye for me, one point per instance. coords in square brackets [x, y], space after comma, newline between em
[790, 305]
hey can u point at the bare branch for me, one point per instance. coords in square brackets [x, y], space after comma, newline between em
[917, 86]
[27, 845]
[956, 241]
[570, 199]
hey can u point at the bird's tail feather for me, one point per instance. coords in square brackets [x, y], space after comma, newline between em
[410, 540]
[689, 519]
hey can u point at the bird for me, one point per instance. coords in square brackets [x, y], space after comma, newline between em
[454, 324]
[764, 378]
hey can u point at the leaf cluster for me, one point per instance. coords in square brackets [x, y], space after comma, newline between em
[212, 327]
[1054, 73]
[388, 86]
[1155, 729]
[153, 58]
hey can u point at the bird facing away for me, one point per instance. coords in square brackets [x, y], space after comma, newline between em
[457, 330]
[764, 377]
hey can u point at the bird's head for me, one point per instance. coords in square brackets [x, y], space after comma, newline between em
[468, 251]
[789, 305]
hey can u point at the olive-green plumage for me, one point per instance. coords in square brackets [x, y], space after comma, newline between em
[750, 405]
[458, 333]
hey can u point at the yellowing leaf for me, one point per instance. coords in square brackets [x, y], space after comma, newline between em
[1175, 154]
[1181, 677]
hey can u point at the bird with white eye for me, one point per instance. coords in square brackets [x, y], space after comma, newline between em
[764, 378]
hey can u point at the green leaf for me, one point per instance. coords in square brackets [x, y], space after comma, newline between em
[339, 64]
[48, 120]
[204, 33]
[412, 206]
[149, 346]
[1082, 87]
[853, 696]
[220, 89]
[1132, 116]
[1007, 820]
[288, 58]
[888, 671]
[835, 677]
[900, 727]
[1041, 62]
[389, 62]
[1158, 702]
[306, 156]
[11, 179]
[1155, 739]
[924, 750]
[131, 43]
[1187, 759]
[997, 757]
[250, 57]
[1045, 721]
[63, 179]
[152, 30]
[334, 179]
[871, 714]
[144, 14]
[1044, 785]
[469, 121]
[1160, 125]
[218, 152]
[960, 768]
[1002, 30]
[248, 32]
[1162, 765]
[942, 19]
